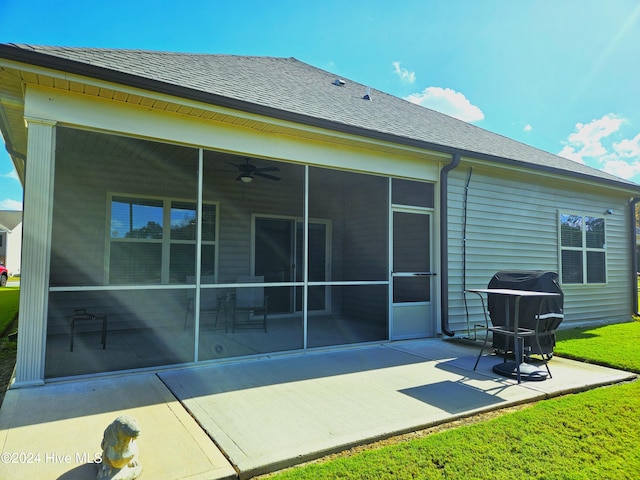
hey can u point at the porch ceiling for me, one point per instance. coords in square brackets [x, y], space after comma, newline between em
[12, 110]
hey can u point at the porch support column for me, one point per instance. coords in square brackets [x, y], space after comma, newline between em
[36, 244]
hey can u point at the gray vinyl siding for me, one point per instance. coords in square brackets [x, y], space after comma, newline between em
[512, 223]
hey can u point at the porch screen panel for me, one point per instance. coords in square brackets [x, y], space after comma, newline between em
[145, 328]
[112, 208]
[249, 289]
[408, 192]
[254, 217]
[122, 222]
[357, 206]
[355, 210]
[358, 314]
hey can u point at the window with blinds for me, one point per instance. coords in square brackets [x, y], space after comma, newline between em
[582, 249]
[154, 241]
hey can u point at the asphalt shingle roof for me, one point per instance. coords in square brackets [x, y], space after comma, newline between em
[10, 219]
[290, 89]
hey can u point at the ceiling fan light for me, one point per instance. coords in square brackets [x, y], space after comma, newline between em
[246, 178]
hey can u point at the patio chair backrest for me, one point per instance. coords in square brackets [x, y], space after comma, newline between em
[250, 296]
[208, 297]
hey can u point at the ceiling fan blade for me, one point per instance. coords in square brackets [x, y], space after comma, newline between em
[264, 175]
[267, 169]
[245, 168]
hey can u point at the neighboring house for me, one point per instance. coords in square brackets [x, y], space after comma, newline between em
[158, 183]
[11, 240]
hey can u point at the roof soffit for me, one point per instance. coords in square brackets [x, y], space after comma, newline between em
[64, 82]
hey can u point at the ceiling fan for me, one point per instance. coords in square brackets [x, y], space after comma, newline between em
[248, 171]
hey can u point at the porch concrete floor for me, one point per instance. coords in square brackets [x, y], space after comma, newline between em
[265, 413]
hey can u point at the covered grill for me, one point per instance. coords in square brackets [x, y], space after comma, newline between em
[551, 314]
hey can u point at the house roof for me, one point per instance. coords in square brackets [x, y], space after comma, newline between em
[286, 88]
[10, 219]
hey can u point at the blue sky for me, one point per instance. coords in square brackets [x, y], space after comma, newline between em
[562, 76]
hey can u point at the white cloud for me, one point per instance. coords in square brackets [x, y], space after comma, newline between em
[571, 154]
[596, 130]
[586, 141]
[9, 204]
[622, 168]
[594, 144]
[527, 128]
[448, 101]
[12, 174]
[628, 148]
[404, 74]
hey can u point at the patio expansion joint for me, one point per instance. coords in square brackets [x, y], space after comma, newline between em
[401, 349]
[201, 426]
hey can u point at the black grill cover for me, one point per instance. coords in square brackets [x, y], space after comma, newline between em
[532, 280]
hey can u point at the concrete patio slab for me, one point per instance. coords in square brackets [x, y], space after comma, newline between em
[275, 412]
[265, 413]
[54, 431]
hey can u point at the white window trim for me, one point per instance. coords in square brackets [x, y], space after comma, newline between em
[584, 249]
[166, 240]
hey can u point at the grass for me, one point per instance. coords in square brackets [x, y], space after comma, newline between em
[593, 434]
[615, 345]
[9, 299]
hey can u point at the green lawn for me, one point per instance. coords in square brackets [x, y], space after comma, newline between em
[616, 345]
[9, 299]
[589, 435]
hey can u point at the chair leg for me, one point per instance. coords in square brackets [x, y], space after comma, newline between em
[537, 339]
[215, 324]
[546, 364]
[484, 344]
[233, 328]
[71, 333]
[506, 347]
[104, 332]
[546, 358]
[486, 330]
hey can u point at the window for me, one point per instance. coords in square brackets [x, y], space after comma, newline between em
[582, 249]
[154, 241]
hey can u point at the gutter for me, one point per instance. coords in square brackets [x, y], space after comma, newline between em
[444, 245]
[634, 255]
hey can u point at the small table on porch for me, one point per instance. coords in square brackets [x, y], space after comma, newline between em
[81, 314]
[517, 368]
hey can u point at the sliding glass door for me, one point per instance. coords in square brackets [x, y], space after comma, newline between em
[278, 256]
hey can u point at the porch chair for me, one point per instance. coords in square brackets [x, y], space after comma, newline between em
[543, 331]
[210, 303]
[251, 300]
